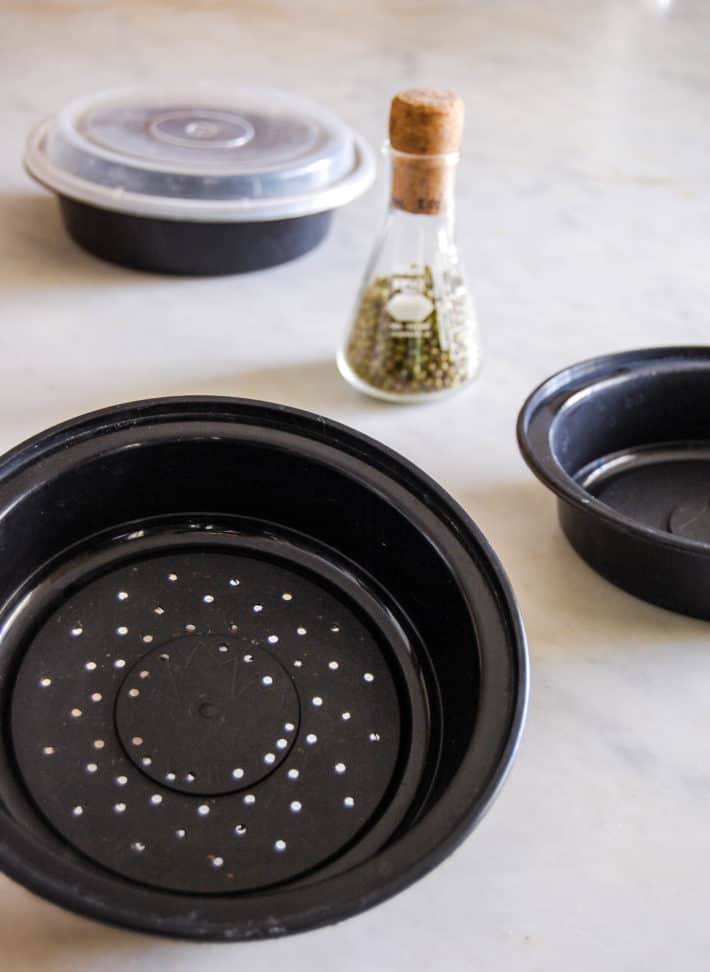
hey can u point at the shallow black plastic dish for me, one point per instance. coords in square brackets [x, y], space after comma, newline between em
[257, 672]
[190, 247]
[624, 442]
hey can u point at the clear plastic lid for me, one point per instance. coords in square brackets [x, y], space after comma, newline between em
[214, 154]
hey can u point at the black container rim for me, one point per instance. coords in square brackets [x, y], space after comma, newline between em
[432, 838]
[540, 410]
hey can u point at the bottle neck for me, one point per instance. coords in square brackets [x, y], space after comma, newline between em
[423, 184]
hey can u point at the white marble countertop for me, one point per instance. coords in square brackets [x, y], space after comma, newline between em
[584, 203]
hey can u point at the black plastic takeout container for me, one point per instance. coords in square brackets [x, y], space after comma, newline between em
[257, 672]
[210, 180]
[624, 443]
[190, 248]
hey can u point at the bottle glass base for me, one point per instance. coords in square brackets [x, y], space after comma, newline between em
[401, 398]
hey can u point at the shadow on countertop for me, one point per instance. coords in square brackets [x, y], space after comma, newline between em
[41, 937]
[35, 250]
[569, 610]
[314, 385]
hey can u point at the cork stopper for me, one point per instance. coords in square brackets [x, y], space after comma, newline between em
[426, 124]
[426, 121]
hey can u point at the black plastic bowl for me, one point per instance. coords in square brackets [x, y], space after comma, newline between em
[189, 247]
[624, 442]
[180, 574]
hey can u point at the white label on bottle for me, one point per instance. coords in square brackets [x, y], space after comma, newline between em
[409, 307]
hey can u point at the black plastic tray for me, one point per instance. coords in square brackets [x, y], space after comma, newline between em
[257, 672]
[624, 442]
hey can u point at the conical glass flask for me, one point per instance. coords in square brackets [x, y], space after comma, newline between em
[414, 334]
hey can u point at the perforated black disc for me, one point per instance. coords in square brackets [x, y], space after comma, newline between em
[209, 721]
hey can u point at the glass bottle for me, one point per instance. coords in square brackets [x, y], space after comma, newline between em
[414, 335]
